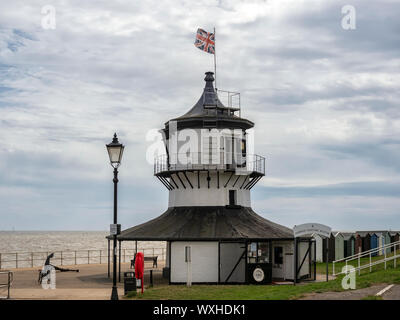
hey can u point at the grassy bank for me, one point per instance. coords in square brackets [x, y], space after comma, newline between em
[263, 292]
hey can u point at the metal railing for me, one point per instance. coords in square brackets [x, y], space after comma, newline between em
[209, 161]
[230, 99]
[72, 257]
[9, 276]
[371, 253]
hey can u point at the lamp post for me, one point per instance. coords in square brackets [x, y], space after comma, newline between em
[115, 151]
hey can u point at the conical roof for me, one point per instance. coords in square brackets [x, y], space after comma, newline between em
[210, 108]
[208, 99]
[207, 223]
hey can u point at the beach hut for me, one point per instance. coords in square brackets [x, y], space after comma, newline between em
[331, 248]
[375, 242]
[358, 247]
[384, 239]
[339, 246]
[378, 240]
[394, 237]
[349, 243]
[363, 241]
[212, 233]
[319, 248]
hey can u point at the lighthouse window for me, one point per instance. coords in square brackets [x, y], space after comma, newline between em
[232, 197]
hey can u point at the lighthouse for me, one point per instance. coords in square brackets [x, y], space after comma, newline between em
[209, 169]
[206, 161]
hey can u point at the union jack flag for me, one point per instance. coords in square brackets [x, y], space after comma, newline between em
[205, 41]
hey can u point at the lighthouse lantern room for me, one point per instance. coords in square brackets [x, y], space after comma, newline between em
[209, 169]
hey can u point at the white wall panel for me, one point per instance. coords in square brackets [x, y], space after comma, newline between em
[204, 261]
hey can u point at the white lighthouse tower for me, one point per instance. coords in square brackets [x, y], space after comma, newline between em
[206, 161]
[209, 169]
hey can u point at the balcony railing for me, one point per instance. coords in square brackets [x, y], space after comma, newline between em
[246, 164]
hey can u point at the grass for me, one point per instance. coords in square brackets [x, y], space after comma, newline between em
[372, 298]
[263, 292]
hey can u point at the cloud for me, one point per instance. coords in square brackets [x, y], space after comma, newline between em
[389, 189]
[324, 100]
[347, 213]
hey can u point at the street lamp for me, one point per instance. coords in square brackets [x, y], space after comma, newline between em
[115, 151]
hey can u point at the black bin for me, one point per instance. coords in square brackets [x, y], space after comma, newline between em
[129, 282]
[165, 272]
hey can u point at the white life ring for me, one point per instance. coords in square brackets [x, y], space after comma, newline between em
[258, 274]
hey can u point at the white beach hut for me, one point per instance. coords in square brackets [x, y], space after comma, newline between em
[319, 248]
[339, 245]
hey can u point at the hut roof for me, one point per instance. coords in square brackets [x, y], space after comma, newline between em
[337, 234]
[372, 232]
[363, 233]
[207, 223]
[378, 232]
[348, 235]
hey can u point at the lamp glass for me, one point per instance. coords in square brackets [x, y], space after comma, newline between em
[115, 153]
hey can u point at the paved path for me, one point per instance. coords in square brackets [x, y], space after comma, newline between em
[90, 283]
[391, 294]
[345, 295]
[322, 277]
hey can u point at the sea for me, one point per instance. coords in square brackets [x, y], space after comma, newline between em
[31, 248]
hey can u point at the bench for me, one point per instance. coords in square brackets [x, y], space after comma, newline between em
[146, 258]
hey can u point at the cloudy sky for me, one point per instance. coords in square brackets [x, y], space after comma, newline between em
[325, 101]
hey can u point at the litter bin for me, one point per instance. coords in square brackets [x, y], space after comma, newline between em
[129, 282]
[165, 273]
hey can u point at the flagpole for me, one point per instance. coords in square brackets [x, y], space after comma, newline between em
[215, 60]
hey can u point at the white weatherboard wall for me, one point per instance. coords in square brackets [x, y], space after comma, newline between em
[319, 248]
[278, 270]
[205, 196]
[204, 261]
[339, 246]
[286, 271]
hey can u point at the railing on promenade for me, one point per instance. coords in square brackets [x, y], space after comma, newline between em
[17, 260]
[6, 285]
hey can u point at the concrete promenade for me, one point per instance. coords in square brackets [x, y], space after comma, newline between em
[90, 283]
